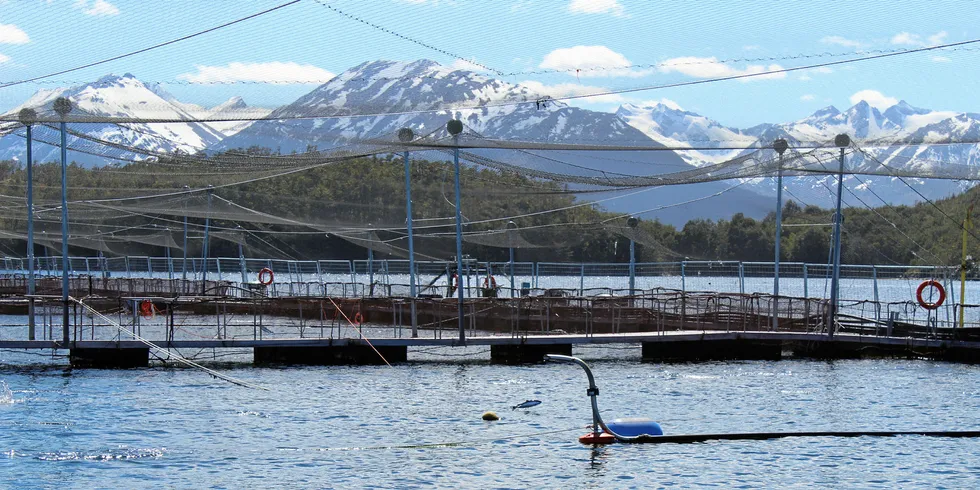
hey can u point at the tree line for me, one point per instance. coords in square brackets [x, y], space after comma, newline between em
[369, 193]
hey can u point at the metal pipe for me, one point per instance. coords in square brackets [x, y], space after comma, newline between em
[455, 127]
[411, 244]
[64, 230]
[204, 253]
[31, 288]
[842, 141]
[780, 146]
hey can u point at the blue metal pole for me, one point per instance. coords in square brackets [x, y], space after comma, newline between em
[779, 238]
[459, 243]
[632, 267]
[241, 256]
[64, 228]
[183, 267]
[838, 217]
[411, 243]
[30, 234]
[207, 230]
[511, 272]
[370, 265]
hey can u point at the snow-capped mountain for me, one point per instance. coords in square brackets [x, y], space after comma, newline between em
[676, 128]
[124, 97]
[906, 129]
[376, 99]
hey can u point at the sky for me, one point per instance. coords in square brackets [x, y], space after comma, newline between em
[559, 47]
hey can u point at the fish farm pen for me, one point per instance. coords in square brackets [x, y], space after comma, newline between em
[326, 312]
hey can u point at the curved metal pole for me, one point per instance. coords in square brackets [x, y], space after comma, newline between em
[593, 392]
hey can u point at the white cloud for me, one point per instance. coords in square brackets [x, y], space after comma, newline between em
[693, 66]
[842, 41]
[573, 89]
[937, 38]
[910, 39]
[4, 58]
[271, 72]
[751, 47]
[807, 97]
[874, 98]
[597, 7]
[11, 34]
[98, 8]
[590, 61]
[941, 59]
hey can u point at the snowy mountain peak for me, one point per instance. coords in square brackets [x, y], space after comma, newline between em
[234, 103]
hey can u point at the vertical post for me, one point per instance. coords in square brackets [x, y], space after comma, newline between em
[780, 147]
[632, 222]
[806, 287]
[241, 253]
[455, 127]
[511, 229]
[964, 265]
[683, 278]
[370, 265]
[28, 117]
[405, 135]
[183, 266]
[63, 106]
[874, 277]
[204, 253]
[842, 141]
[581, 279]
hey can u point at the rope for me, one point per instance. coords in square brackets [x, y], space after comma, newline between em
[358, 329]
[157, 348]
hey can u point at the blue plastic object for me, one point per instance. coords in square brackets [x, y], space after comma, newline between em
[633, 427]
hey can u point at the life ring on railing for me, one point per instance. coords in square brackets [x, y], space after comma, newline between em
[453, 282]
[358, 319]
[938, 286]
[266, 276]
[146, 308]
[489, 283]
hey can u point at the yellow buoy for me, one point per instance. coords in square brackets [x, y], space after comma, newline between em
[491, 416]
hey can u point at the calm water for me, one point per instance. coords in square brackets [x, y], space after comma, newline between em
[355, 427]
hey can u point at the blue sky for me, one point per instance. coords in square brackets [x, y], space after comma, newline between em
[541, 43]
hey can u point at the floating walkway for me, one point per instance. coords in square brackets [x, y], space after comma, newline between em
[656, 347]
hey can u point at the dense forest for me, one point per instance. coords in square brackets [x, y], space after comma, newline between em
[368, 193]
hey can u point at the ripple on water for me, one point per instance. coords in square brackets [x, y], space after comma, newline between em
[103, 455]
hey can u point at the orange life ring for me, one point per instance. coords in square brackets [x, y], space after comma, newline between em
[358, 319]
[938, 286]
[266, 276]
[146, 308]
[489, 282]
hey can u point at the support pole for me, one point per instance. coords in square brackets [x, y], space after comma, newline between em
[964, 265]
[842, 141]
[406, 135]
[204, 253]
[241, 254]
[63, 106]
[183, 267]
[511, 229]
[455, 127]
[632, 223]
[780, 146]
[28, 117]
